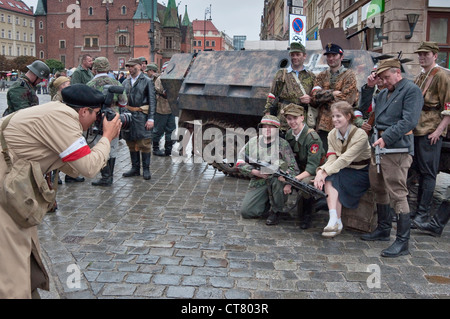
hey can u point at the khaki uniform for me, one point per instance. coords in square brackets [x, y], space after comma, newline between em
[286, 88]
[44, 133]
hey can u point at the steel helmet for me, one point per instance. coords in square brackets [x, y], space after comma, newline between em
[40, 69]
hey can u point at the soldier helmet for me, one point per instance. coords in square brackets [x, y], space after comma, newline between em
[270, 120]
[40, 69]
[152, 67]
[101, 64]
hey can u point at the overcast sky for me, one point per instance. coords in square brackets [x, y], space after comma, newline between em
[234, 17]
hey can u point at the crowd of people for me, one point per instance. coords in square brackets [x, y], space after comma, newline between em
[404, 121]
[308, 130]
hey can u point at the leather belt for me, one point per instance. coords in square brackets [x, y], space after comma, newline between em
[363, 162]
[427, 108]
[407, 133]
[143, 109]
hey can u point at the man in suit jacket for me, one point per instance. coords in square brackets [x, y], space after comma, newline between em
[396, 115]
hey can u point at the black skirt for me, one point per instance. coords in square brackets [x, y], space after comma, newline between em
[351, 185]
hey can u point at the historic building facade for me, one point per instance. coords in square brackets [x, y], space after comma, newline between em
[17, 23]
[117, 29]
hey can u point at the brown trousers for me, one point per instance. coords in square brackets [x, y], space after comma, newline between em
[145, 145]
[390, 185]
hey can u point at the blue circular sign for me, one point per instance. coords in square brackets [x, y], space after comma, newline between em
[297, 25]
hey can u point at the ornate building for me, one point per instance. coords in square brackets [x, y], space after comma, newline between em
[117, 29]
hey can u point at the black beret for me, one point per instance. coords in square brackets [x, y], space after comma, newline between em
[334, 49]
[80, 95]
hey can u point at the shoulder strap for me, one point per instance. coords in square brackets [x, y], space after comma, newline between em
[430, 78]
[348, 139]
[3, 141]
[299, 84]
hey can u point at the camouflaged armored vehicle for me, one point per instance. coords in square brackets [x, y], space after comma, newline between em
[228, 89]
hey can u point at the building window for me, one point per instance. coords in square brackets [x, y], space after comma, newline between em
[62, 44]
[3, 50]
[213, 43]
[122, 40]
[62, 58]
[24, 36]
[91, 42]
[17, 21]
[207, 43]
[169, 42]
[41, 55]
[18, 51]
[3, 33]
[17, 35]
[41, 25]
[2, 17]
[24, 22]
[9, 34]
[25, 51]
[9, 20]
[41, 39]
[123, 10]
[90, 11]
[31, 37]
[31, 23]
[62, 25]
[199, 43]
[32, 52]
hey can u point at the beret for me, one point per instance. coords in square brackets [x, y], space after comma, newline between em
[80, 95]
[332, 48]
[293, 109]
[270, 120]
[388, 64]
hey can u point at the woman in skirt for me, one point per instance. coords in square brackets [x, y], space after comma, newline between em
[345, 174]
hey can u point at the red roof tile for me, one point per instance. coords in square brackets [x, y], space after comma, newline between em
[15, 6]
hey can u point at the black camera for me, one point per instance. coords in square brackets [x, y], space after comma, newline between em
[108, 112]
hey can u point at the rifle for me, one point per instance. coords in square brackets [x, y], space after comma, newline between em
[381, 151]
[303, 187]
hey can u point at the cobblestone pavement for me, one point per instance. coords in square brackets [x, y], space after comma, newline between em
[180, 235]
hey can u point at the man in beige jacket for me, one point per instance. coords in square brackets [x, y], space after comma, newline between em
[52, 135]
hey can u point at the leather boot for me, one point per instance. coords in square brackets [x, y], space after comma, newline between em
[107, 174]
[436, 226]
[146, 166]
[156, 150]
[400, 245]
[135, 165]
[383, 230]
[305, 216]
[168, 148]
[423, 207]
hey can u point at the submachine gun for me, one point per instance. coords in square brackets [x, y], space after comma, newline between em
[291, 180]
[381, 151]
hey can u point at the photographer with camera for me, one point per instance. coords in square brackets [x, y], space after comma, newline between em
[101, 67]
[50, 135]
[142, 107]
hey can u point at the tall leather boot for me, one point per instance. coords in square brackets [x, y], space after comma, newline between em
[423, 207]
[436, 226]
[383, 230]
[400, 245]
[156, 150]
[146, 166]
[135, 165]
[107, 176]
[305, 216]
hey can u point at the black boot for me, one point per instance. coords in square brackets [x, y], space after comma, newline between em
[400, 245]
[156, 150]
[69, 179]
[146, 166]
[168, 148]
[423, 207]
[436, 226]
[383, 230]
[107, 174]
[305, 215]
[135, 165]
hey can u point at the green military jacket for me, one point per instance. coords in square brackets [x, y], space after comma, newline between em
[257, 149]
[287, 90]
[21, 95]
[81, 75]
[99, 82]
[308, 149]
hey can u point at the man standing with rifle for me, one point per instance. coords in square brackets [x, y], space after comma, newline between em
[396, 115]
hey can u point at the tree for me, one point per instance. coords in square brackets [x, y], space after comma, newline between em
[20, 63]
[54, 65]
[4, 63]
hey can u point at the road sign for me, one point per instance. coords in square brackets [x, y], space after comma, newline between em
[297, 29]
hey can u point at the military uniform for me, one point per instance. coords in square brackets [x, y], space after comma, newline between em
[286, 88]
[343, 80]
[81, 75]
[52, 135]
[435, 86]
[100, 80]
[21, 95]
[265, 193]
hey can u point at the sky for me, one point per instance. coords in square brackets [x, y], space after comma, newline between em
[234, 17]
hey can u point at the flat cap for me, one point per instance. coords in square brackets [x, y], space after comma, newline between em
[132, 62]
[142, 59]
[152, 67]
[297, 47]
[293, 109]
[101, 64]
[387, 64]
[270, 120]
[60, 80]
[427, 46]
[80, 95]
[332, 48]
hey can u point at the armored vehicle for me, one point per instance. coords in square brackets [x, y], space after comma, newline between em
[228, 89]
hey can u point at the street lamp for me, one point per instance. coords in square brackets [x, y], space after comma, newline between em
[151, 32]
[207, 10]
[412, 21]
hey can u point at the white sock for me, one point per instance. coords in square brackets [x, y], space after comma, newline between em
[340, 225]
[333, 218]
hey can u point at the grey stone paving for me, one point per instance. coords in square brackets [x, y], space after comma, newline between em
[180, 235]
